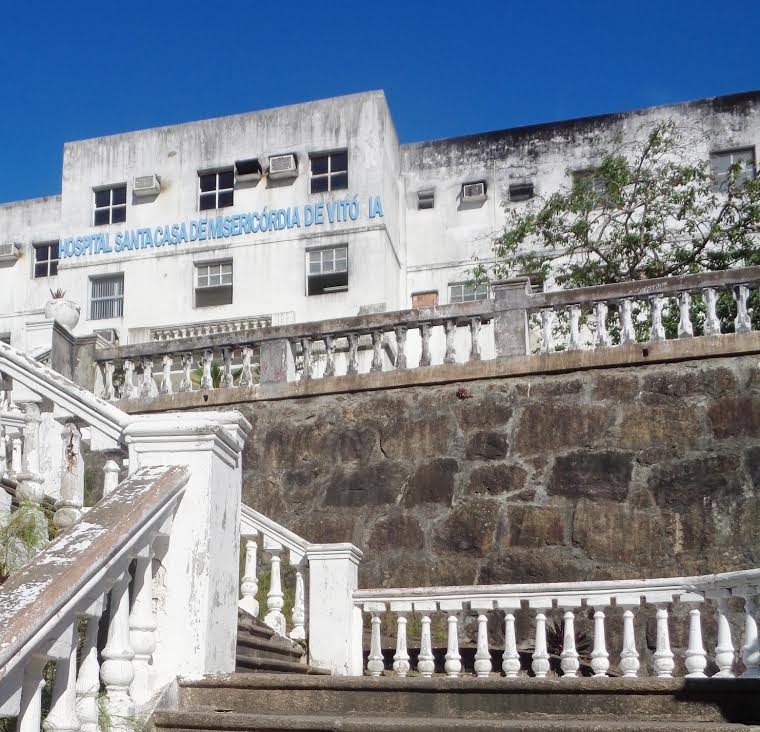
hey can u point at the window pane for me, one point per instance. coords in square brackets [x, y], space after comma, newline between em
[54, 251]
[119, 195]
[319, 185]
[319, 164]
[339, 162]
[101, 216]
[328, 266]
[202, 280]
[207, 201]
[40, 253]
[339, 181]
[226, 179]
[227, 278]
[102, 198]
[214, 280]
[54, 268]
[208, 182]
[315, 267]
[40, 269]
[227, 268]
[119, 214]
[225, 199]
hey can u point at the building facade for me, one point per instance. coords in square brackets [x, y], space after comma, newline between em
[294, 214]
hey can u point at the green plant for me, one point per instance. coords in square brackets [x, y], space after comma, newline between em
[58, 294]
[216, 374]
[21, 537]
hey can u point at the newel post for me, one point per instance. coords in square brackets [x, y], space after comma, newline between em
[196, 622]
[277, 365]
[333, 579]
[510, 329]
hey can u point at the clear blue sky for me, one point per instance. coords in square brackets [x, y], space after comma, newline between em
[73, 70]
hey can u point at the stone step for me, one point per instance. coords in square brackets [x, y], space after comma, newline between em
[246, 664]
[249, 624]
[646, 699]
[274, 647]
[203, 718]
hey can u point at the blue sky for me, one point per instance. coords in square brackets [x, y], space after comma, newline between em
[73, 70]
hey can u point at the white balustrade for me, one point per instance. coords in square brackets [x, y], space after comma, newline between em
[599, 657]
[249, 585]
[298, 616]
[453, 664]
[142, 627]
[569, 656]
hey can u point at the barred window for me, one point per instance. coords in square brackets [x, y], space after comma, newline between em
[467, 292]
[722, 161]
[110, 205]
[107, 297]
[46, 259]
[216, 189]
[327, 270]
[213, 284]
[329, 172]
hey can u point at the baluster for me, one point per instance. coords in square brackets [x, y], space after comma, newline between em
[308, 366]
[712, 322]
[425, 358]
[627, 331]
[629, 656]
[400, 331]
[68, 507]
[751, 646]
[117, 670]
[401, 657]
[742, 322]
[426, 660]
[3, 448]
[547, 326]
[16, 455]
[602, 335]
[353, 354]
[724, 650]
[696, 657]
[228, 380]
[149, 388]
[186, 383]
[63, 699]
[142, 628]
[166, 379]
[540, 664]
[482, 654]
[298, 616]
[663, 656]
[30, 711]
[246, 372]
[658, 329]
[377, 354]
[109, 393]
[330, 351]
[250, 584]
[453, 665]
[510, 659]
[88, 680]
[685, 328]
[375, 663]
[599, 656]
[569, 657]
[110, 477]
[451, 330]
[207, 380]
[575, 330]
[128, 389]
[274, 617]
[475, 354]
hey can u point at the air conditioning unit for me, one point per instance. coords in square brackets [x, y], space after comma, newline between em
[248, 170]
[10, 251]
[283, 166]
[474, 191]
[146, 185]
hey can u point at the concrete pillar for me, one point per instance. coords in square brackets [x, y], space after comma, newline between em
[276, 360]
[511, 319]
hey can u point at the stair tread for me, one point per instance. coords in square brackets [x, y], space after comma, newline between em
[275, 664]
[275, 644]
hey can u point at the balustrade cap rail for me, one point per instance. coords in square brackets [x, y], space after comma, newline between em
[253, 522]
[338, 327]
[38, 600]
[642, 289]
[676, 585]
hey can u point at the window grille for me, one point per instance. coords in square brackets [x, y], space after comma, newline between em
[107, 297]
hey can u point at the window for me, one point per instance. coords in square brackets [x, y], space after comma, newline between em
[46, 259]
[589, 180]
[107, 297]
[329, 172]
[467, 292]
[520, 192]
[425, 199]
[327, 270]
[216, 190]
[213, 284]
[722, 161]
[110, 205]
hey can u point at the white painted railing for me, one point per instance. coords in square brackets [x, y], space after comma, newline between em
[569, 598]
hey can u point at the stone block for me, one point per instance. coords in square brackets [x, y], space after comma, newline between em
[534, 526]
[486, 409]
[695, 481]
[470, 527]
[405, 438]
[544, 564]
[752, 463]
[735, 417]
[597, 475]
[546, 426]
[687, 381]
[548, 387]
[398, 530]
[499, 478]
[487, 446]
[432, 483]
[329, 525]
[616, 387]
[373, 484]
[674, 425]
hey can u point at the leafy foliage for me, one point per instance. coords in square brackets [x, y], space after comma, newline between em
[20, 535]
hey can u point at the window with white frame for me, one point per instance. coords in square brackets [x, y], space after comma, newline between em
[327, 270]
[46, 259]
[110, 205]
[213, 284]
[722, 162]
[329, 172]
[467, 291]
[216, 189]
[106, 297]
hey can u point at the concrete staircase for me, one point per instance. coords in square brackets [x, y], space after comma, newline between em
[364, 704]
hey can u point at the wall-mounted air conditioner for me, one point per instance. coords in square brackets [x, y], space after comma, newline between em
[10, 251]
[283, 166]
[146, 185]
[472, 192]
[248, 170]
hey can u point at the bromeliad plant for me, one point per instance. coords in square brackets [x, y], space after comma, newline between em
[58, 294]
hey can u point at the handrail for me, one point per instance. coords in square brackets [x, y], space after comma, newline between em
[252, 522]
[38, 600]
